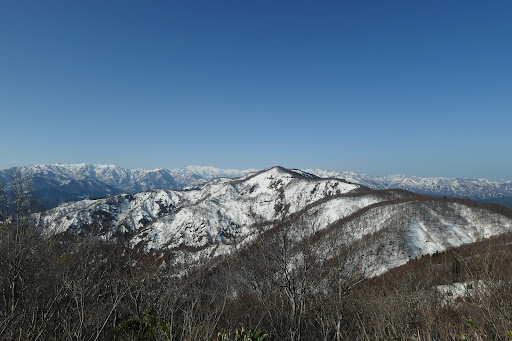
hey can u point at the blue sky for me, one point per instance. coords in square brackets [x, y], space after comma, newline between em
[378, 87]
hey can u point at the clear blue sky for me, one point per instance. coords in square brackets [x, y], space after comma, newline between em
[377, 87]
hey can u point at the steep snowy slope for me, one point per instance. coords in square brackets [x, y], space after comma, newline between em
[389, 234]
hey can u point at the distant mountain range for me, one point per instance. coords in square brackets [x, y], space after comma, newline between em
[52, 185]
[496, 191]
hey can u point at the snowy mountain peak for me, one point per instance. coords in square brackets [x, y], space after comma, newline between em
[224, 215]
[216, 215]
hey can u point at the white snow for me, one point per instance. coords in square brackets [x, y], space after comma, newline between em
[226, 214]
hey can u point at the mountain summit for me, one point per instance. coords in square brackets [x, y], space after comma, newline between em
[389, 227]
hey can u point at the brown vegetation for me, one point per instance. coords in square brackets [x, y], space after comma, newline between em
[83, 289]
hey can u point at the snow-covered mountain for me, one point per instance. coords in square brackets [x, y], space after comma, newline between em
[222, 212]
[55, 184]
[389, 227]
[498, 191]
[125, 180]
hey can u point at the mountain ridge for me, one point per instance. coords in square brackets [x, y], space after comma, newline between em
[58, 183]
[390, 226]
